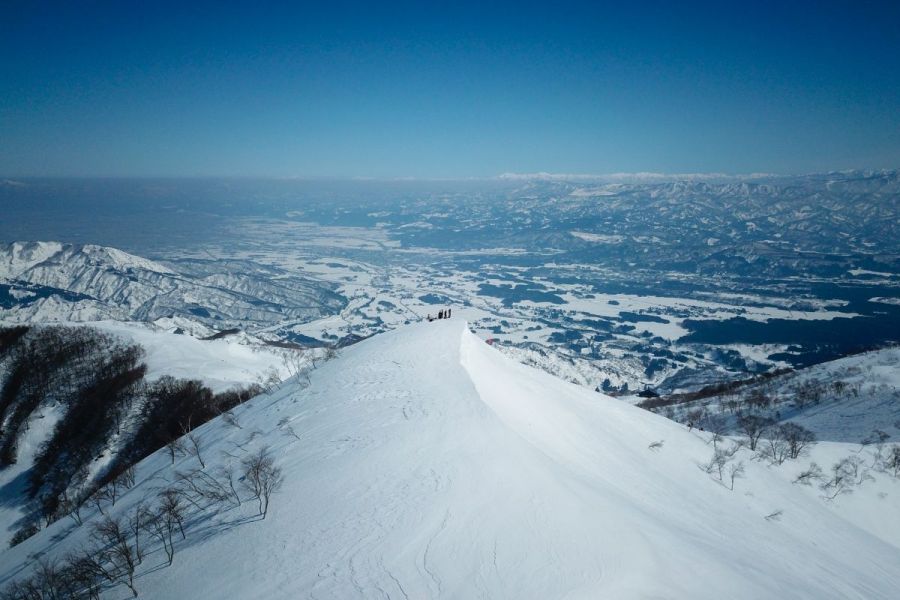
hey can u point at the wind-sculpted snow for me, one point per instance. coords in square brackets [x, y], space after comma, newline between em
[422, 463]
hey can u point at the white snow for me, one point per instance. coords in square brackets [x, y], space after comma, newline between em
[597, 237]
[221, 364]
[21, 256]
[429, 465]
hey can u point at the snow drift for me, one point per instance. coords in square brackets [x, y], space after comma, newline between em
[424, 464]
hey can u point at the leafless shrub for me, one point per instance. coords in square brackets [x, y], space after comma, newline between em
[24, 533]
[892, 460]
[229, 418]
[716, 467]
[876, 441]
[846, 474]
[813, 473]
[199, 486]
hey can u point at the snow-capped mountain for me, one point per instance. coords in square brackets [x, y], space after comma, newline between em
[49, 281]
[422, 463]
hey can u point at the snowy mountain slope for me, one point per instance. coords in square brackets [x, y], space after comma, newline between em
[425, 464]
[843, 400]
[221, 364]
[868, 399]
[49, 281]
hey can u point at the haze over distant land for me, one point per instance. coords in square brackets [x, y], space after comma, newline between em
[402, 90]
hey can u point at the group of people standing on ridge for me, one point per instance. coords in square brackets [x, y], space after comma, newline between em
[442, 314]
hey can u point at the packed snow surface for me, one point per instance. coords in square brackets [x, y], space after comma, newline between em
[426, 465]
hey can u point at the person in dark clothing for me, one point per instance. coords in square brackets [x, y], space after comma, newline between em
[448, 312]
[440, 314]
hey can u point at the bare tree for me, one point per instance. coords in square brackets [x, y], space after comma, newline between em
[797, 438]
[262, 478]
[83, 576]
[174, 447]
[758, 399]
[228, 476]
[269, 380]
[48, 580]
[754, 427]
[172, 507]
[774, 448]
[295, 361]
[97, 499]
[717, 425]
[193, 445]
[92, 568]
[161, 528]
[808, 392]
[136, 526]
[877, 439]
[71, 506]
[126, 477]
[117, 550]
[735, 471]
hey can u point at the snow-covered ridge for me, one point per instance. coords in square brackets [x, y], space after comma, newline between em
[19, 257]
[422, 463]
[54, 282]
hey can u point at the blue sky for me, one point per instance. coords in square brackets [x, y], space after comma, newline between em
[433, 89]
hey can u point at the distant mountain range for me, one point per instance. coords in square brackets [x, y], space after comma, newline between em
[50, 281]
